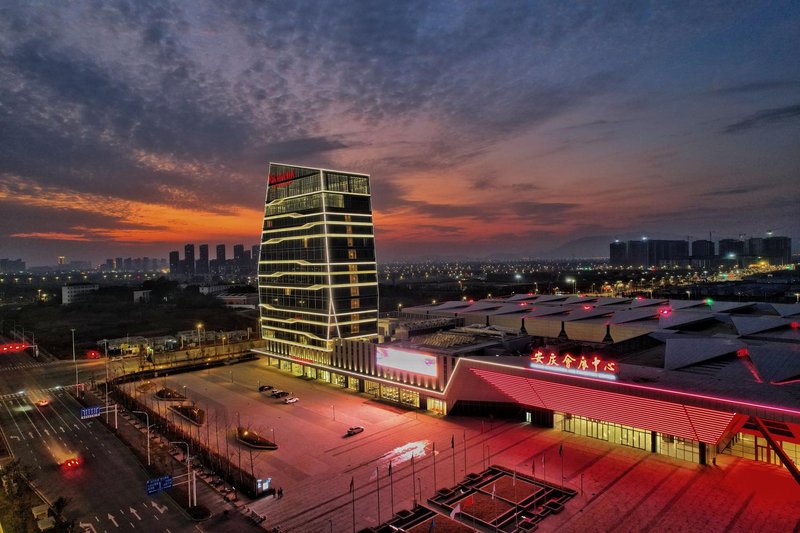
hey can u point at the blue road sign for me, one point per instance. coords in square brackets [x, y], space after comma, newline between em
[90, 412]
[154, 485]
[166, 482]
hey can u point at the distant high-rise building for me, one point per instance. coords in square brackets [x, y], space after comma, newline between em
[666, 252]
[731, 249]
[618, 253]
[255, 249]
[637, 253]
[202, 262]
[109, 265]
[127, 265]
[238, 251]
[317, 275]
[702, 249]
[188, 256]
[220, 253]
[174, 263]
[778, 250]
[754, 247]
[118, 264]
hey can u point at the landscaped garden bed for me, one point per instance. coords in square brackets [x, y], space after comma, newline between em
[250, 438]
[169, 395]
[193, 414]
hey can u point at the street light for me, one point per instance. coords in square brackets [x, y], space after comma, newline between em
[574, 284]
[147, 421]
[74, 361]
[199, 340]
[188, 468]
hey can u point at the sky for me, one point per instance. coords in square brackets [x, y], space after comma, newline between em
[489, 129]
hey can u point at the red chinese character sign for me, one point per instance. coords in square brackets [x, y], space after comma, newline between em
[567, 363]
[282, 179]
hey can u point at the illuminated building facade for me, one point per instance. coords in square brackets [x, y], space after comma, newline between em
[689, 379]
[317, 274]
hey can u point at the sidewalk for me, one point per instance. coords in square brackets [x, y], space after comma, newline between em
[132, 430]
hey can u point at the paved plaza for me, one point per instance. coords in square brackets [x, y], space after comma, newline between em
[619, 488]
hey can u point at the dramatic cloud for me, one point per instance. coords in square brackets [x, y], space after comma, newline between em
[764, 118]
[486, 127]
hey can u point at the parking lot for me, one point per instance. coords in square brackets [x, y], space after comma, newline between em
[315, 462]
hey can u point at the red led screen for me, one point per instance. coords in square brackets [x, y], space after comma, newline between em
[406, 360]
[685, 421]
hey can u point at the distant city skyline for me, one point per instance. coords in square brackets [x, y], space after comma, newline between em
[488, 130]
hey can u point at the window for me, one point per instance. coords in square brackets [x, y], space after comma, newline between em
[354, 291]
[355, 303]
[351, 254]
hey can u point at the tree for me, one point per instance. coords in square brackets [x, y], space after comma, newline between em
[60, 504]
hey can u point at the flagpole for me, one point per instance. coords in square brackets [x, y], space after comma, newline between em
[514, 481]
[391, 486]
[378, 483]
[465, 453]
[453, 449]
[544, 468]
[413, 480]
[353, 495]
[434, 469]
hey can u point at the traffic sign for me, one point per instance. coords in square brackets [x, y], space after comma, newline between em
[90, 412]
[153, 485]
[158, 484]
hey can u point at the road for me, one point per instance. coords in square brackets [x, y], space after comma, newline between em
[108, 489]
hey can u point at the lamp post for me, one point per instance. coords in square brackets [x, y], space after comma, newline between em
[188, 468]
[105, 342]
[574, 284]
[199, 340]
[147, 421]
[74, 361]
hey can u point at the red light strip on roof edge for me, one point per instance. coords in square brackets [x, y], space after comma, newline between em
[793, 412]
[689, 422]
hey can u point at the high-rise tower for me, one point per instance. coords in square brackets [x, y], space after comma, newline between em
[317, 274]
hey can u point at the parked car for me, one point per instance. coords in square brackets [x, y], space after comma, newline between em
[263, 388]
[291, 399]
[276, 392]
[354, 430]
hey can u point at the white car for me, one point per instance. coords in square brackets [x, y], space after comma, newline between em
[291, 399]
[354, 430]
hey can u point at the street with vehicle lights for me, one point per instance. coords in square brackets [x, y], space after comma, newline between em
[318, 456]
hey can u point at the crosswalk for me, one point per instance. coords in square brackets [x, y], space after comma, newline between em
[33, 393]
[22, 366]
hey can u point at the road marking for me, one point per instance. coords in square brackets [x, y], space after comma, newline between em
[29, 419]
[87, 527]
[13, 437]
[15, 422]
[113, 520]
[95, 517]
[46, 432]
[159, 508]
[30, 433]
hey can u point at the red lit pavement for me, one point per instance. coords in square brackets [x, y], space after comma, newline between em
[623, 488]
